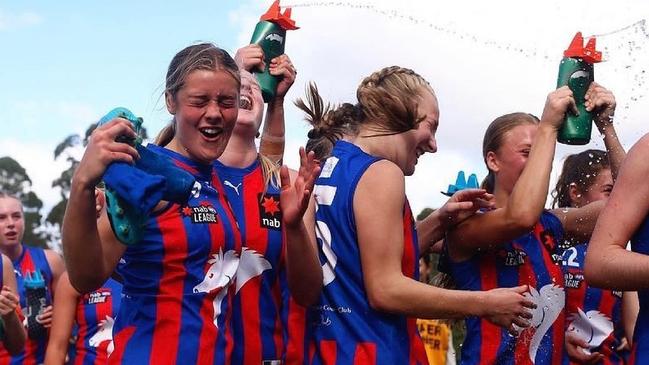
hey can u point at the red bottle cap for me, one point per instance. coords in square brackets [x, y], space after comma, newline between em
[283, 20]
[577, 49]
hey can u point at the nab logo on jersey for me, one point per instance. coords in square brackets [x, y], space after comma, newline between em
[97, 297]
[515, 257]
[270, 216]
[203, 213]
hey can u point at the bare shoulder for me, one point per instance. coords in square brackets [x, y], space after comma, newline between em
[384, 170]
[6, 262]
[383, 181]
[52, 257]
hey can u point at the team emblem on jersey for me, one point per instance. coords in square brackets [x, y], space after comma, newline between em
[270, 216]
[103, 334]
[592, 327]
[203, 213]
[229, 268]
[549, 301]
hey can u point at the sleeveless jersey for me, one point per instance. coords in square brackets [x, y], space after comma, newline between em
[258, 328]
[95, 316]
[592, 314]
[346, 330]
[179, 279]
[31, 260]
[532, 260]
[640, 348]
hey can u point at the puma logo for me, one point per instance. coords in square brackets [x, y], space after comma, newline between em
[236, 188]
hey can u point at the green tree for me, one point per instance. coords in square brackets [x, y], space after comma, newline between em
[15, 181]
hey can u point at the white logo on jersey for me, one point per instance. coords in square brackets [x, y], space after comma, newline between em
[328, 167]
[236, 188]
[196, 189]
[593, 327]
[549, 304]
[219, 276]
[324, 195]
[251, 264]
[227, 269]
[104, 333]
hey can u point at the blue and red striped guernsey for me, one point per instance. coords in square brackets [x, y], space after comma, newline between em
[345, 329]
[180, 279]
[592, 314]
[31, 260]
[260, 309]
[95, 316]
[640, 348]
[529, 260]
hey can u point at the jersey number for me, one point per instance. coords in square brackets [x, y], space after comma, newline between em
[324, 195]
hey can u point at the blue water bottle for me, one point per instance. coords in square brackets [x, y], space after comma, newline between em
[37, 301]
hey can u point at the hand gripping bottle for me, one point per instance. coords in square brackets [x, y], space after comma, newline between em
[576, 71]
[270, 35]
[132, 191]
[37, 300]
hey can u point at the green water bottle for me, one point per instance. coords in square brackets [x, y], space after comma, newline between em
[270, 35]
[576, 70]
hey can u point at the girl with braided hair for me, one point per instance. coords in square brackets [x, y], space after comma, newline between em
[366, 237]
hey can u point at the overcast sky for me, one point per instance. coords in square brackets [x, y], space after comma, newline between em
[65, 64]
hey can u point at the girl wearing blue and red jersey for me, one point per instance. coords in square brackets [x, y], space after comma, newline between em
[517, 242]
[26, 261]
[608, 264]
[93, 314]
[12, 332]
[595, 325]
[179, 279]
[251, 182]
[370, 297]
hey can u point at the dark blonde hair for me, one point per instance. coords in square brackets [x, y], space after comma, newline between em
[386, 98]
[202, 56]
[580, 169]
[5, 195]
[494, 136]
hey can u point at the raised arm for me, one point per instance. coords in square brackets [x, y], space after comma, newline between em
[608, 263]
[527, 200]
[578, 223]
[272, 136]
[298, 214]
[14, 332]
[64, 312]
[251, 58]
[91, 249]
[381, 244]
[602, 102]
